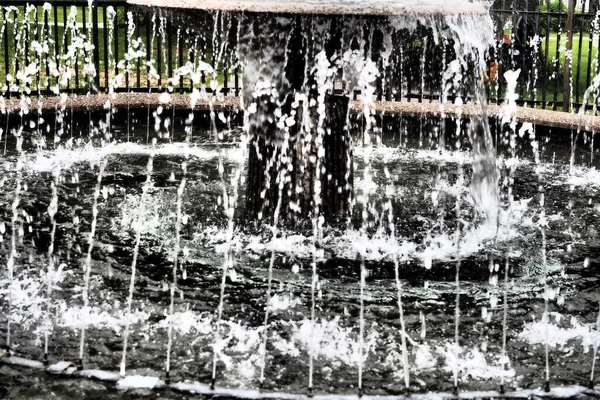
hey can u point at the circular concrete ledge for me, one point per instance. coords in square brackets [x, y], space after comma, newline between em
[557, 119]
[327, 7]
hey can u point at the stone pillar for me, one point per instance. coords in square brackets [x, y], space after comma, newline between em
[282, 150]
[338, 180]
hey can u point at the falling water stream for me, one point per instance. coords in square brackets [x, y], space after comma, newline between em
[88, 259]
[52, 209]
[134, 260]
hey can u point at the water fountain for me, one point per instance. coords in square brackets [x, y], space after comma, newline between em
[310, 252]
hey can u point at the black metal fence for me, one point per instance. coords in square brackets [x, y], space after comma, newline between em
[65, 29]
[78, 51]
[534, 36]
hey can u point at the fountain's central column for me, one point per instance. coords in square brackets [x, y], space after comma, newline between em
[299, 153]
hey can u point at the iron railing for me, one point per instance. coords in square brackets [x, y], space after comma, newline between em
[529, 33]
[533, 36]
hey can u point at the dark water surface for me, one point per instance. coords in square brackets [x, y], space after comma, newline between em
[425, 231]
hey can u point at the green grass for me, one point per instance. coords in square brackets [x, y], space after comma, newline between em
[581, 58]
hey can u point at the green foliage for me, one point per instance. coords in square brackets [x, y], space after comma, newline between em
[581, 22]
[555, 6]
[552, 24]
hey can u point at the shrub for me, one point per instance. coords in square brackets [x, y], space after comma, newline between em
[552, 25]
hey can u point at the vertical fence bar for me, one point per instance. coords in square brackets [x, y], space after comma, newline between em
[597, 67]
[557, 56]
[116, 37]
[38, 77]
[96, 42]
[236, 78]
[409, 74]
[588, 75]
[534, 74]
[169, 68]
[126, 47]
[579, 51]
[6, 55]
[389, 82]
[106, 49]
[379, 83]
[180, 39]
[569, 47]
[204, 51]
[546, 58]
[159, 53]
[148, 51]
[421, 73]
[500, 51]
[514, 16]
[56, 37]
[400, 62]
[16, 41]
[64, 44]
[46, 39]
[525, 53]
[26, 28]
[432, 73]
[138, 71]
[75, 29]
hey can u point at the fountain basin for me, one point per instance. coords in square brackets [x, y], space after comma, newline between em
[427, 291]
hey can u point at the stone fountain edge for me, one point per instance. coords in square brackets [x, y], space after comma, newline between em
[556, 119]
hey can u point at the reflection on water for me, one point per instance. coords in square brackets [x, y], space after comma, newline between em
[419, 180]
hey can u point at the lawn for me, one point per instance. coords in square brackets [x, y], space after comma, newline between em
[583, 58]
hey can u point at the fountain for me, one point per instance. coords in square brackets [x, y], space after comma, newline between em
[321, 247]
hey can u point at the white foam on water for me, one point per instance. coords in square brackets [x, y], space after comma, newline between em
[140, 382]
[561, 333]
[99, 374]
[59, 367]
[387, 155]
[584, 176]
[296, 244]
[47, 160]
[472, 363]
[282, 302]
[333, 341]
[187, 322]
[380, 246]
[27, 305]
[22, 362]
[76, 317]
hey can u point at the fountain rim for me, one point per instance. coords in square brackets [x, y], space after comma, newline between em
[326, 7]
[544, 117]
[67, 369]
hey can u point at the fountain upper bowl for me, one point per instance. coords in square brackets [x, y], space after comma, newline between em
[328, 7]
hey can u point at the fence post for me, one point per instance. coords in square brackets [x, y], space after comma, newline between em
[569, 59]
[96, 42]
